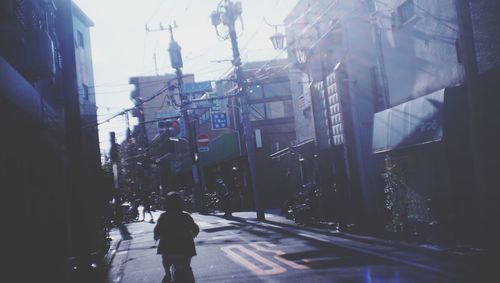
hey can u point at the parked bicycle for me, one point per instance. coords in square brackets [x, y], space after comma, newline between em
[302, 207]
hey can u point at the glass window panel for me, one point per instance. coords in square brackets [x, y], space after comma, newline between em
[288, 108]
[255, 91]
[275, 110]
[257, 112]
[276, 89]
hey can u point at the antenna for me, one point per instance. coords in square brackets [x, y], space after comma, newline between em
[156, 64]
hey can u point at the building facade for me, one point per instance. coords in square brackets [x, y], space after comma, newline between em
[41, 162]
[273, 128]
[332, 48]
[432, 66]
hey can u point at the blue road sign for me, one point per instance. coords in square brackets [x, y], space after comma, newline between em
[205, 86]
[219, 120]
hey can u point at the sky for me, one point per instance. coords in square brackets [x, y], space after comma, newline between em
[121, 47]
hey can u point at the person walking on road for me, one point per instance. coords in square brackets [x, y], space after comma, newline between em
[225, 198]
[176, 230]
[146, 208]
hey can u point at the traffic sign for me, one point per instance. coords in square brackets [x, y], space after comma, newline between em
[198, 87]
[219, 120]
[202, 141]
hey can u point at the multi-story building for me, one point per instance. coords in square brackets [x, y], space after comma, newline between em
[156, 98]
[41, 162]
[273, 128]
[330, 43]
[163, 102]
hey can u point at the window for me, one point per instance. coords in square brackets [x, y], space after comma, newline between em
[371, 5]
[406, 11]
[257, 112]
[275, 110]
[271, 110]
[85, 92]
[79, 39]
[276, 89]
[378, 101]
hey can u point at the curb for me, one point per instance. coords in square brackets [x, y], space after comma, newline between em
[110, 255]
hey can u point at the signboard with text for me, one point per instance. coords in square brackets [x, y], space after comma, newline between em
[219, 120]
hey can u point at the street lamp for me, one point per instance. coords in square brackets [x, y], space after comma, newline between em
[277, 39]
[301, 55]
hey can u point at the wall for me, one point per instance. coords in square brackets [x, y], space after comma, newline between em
[84, 69]
[360, 60]
[486, 29]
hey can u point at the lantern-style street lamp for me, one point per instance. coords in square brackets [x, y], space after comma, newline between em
[278, 39]
[301, 55]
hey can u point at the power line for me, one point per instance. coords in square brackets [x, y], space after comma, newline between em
[141, 102]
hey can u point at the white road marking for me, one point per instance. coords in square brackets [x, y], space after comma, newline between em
[377, 254]
[315, 237]
[231, 252]
[278, 254]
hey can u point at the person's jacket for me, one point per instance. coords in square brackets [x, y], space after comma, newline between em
[176, 231]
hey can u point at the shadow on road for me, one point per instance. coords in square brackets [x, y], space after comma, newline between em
[124, 232]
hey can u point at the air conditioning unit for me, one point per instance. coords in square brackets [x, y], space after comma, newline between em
[404, 14]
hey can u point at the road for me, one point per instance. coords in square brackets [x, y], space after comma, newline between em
[244, 250]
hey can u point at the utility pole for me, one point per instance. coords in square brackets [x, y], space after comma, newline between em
[145, 182]
[228, 13]
[174, 51]
[114, 158]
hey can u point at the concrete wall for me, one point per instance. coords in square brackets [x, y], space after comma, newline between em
[84, 69]
[360, 59]
[304, 119]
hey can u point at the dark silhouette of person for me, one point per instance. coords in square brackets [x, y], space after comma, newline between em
[146, 204]
[176, 230]
[225, 198]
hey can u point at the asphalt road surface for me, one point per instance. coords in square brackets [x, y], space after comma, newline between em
[245, 250]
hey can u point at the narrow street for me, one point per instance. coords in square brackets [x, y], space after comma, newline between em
[244, 250]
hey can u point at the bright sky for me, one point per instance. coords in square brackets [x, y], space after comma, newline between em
[121, 48]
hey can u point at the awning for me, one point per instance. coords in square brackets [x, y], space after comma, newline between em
[415, 122]
[222, 148]
[293, 148]
[280, 153]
